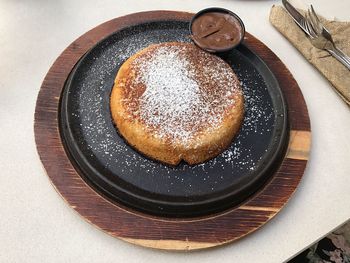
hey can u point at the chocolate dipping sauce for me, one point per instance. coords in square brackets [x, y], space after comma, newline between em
[217, 31]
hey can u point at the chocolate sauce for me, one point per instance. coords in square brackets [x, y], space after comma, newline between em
[215, 31]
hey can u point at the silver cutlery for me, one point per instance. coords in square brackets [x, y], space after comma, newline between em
[319, 36]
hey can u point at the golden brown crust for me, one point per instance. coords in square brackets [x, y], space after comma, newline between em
[208, 143]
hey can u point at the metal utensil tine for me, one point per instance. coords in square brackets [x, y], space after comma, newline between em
[308, 25]
[305, 28]
[312, 22]
[324, 31]
[314, 15]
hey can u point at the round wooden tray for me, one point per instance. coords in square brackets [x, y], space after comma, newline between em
[163, 232]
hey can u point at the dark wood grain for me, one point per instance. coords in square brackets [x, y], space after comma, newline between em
[157, 232]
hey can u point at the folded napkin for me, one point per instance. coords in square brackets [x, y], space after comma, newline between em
[331, 68]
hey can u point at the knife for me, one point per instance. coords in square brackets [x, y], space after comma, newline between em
[297, 17]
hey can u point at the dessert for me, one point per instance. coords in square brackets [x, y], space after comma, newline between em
[173, 101]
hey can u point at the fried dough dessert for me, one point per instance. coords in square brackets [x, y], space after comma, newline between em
[173, 101]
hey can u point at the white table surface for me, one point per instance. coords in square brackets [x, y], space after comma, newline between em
[36, 225]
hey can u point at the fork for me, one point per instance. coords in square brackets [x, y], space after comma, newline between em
[321, 38]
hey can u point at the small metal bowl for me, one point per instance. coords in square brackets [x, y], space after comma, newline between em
[217, 10]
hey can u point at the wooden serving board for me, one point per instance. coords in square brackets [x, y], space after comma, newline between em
[162, 232]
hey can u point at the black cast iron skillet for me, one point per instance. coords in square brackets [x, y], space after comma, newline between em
[121, 174]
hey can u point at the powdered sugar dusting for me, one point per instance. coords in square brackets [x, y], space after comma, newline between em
[172, 94]
[181, 95]
[97, 137]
